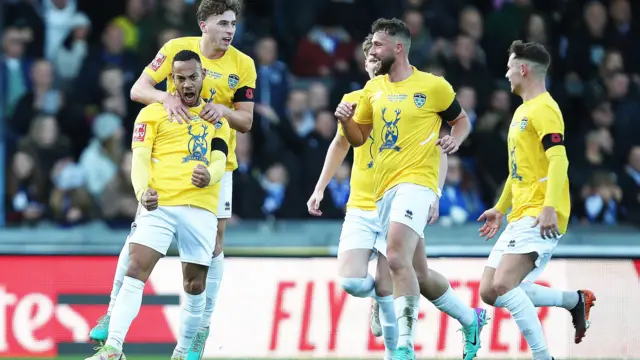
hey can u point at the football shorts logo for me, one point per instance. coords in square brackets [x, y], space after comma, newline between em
[197, 146]
[523, 123]
[390, 132]
[419, 99]
[158, 61]
[233, 80]
[139, 132]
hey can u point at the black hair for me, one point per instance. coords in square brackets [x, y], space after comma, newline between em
[531, 51]
[186, 55]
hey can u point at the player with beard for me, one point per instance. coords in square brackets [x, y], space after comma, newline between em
[166, 156]
[537, 192]
[362, 237]
[229, 83]
[403, 111]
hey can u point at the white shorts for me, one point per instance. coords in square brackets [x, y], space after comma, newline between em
[361, 230]
[193, 228]
[407, 204]
[226, 193]
[520, 238]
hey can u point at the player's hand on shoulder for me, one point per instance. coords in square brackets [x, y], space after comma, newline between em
[149, 199]
[176, 109]
[492, 222]
[345, 111]
[200, 177]
[548, 221]
[448, 144]
[213, 112]
[313, 205]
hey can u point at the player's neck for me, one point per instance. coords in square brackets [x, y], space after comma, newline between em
[533, 91]
[400, 70]
[208, 50]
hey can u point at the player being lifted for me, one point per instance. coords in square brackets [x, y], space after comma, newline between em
[362, 236]
[537, 192]
[403, 111]
[176, 173]
[229, 82]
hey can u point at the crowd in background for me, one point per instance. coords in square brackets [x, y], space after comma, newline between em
[68, 66]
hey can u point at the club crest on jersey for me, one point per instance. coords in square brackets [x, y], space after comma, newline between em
[197, 146]
[390, 132]
[523, 123]
[419, 99]
[217, 124]
[233, 80]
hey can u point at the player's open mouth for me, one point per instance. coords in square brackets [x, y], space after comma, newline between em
[227, 40]
[190, 96]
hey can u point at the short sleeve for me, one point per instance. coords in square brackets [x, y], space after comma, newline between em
[145, 129]
[364, 110]
[442, 94]
[247, 84]
[549, 126]
[160, 68]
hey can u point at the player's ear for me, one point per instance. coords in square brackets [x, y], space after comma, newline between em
[203, 26]
[524, 69]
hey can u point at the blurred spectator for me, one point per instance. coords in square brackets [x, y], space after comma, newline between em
[630, 185]
[43, 98]
[99, 162]
[57, 17]
[597, 156]
[421, 41]
[273, 76]
[15, 69]
[118, 201]
[326, 50]
[315, 148]
[173, 14]
[502, 27]
[353, 80]
[334, 205]
[246, 185]
[129, 21]
[471, 23]
[602, 197]
[586, 47]
[26, 193]
[277, 200]
[45, 145]
[111, 52]
[460, 202]
[70, 202]
[74, 49]
[318, 97]
[612, 63]
[624, 31]
[23, 15]
[437, 15]
[465, 69]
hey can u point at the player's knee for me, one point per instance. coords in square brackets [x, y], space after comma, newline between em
[194, 286]
[137, 270]
[397, 261]
[487, 294]
[353, 286]
[502, 286]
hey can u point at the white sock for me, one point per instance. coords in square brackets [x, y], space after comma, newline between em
[121, 269]
[526, 317]
[191, 311]
[449, 304]
[388, 322]
[359, 287]
[214, 277]
[545, 296]
[125, 310]
[407, 308]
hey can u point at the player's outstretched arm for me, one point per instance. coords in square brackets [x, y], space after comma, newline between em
[140, 169]
[335, 156]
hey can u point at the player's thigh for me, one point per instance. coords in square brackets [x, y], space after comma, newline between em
[357, 243]
[520, 253]
[195, 226]
[150, 241]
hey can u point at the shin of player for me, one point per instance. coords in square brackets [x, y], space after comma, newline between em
[404, 109]
[537, 191]
[172, 209]
[361, 236]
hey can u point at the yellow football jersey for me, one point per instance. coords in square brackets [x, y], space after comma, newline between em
[533, 122]
[406, 125]
[176, 149]
[361, 195]
[229, 79]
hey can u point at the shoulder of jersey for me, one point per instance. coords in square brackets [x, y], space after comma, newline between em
[353, 96]
[241, 57]
[155, 110]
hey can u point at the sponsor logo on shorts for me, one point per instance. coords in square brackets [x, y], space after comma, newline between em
[512, 243]
[227, 206]
[408, 214]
